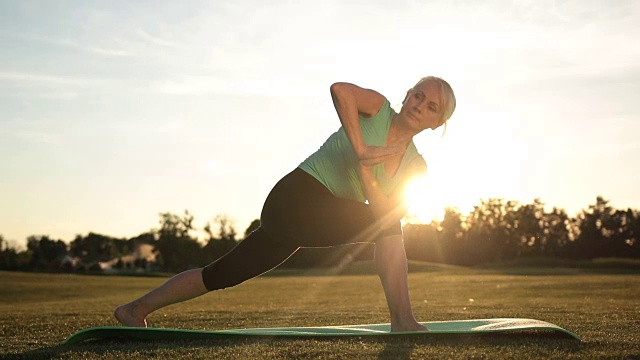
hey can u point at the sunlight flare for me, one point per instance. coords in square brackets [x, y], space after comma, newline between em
[424, 202]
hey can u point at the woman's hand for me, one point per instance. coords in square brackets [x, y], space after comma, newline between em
[372, 155]
[386, 208]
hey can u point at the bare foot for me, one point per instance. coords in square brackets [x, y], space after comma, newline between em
[414, 326]
[125, 314]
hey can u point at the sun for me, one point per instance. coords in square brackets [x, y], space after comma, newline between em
[480, 157]
[424, 201]
[447, 185]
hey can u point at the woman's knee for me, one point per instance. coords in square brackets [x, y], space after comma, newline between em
[215, 277]
[254, 255]
[388, 239]
[390, 231]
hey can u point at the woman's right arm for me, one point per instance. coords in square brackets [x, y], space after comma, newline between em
[350, 102]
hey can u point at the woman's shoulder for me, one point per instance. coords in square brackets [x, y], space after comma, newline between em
[383, 115]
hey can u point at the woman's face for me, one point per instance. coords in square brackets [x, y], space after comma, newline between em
[422, 108]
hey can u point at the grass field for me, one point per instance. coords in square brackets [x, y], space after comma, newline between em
[601, 305]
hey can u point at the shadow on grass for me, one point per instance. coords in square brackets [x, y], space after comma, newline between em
[557, 266]
[541, 342]
[141, 348]
[394, 346]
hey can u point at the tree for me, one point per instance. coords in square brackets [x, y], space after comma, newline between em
[8, 256]
[421, 242]
[557, 232]
[595, 229]
[226, 230]
[634, 231]
[97, 248]
[178, 250]
[46, 254]
[623, 233]
[222, 241]
[528, 228]
[491, 235]
[452, 242]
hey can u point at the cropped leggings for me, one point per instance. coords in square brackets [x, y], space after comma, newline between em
[299, 212]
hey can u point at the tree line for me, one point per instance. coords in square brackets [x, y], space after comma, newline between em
[499, 230]
[496, 230]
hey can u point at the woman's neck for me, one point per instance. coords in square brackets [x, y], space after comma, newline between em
[399, 135]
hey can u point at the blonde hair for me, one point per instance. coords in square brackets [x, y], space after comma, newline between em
[446, 94]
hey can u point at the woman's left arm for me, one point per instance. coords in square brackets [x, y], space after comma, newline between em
[387, 210]
[392, 208]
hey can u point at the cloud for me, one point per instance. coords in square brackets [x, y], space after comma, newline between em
[44, 79]
[60, 95]
[32, 131]
[171, 127]
[107, 52]
[99, 50]
[40, 137]
[153, 39]
[49, 95]
[284, 85]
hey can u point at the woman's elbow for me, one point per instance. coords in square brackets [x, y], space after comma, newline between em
[340, 88]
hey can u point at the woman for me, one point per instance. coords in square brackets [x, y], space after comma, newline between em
[322, 202]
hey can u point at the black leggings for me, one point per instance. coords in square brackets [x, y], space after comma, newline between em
[299, 212]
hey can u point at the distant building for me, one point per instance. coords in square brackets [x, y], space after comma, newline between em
[142, 254]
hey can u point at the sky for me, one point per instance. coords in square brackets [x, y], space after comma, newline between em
[112, 112]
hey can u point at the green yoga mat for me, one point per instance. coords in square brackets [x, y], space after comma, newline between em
[480, 326]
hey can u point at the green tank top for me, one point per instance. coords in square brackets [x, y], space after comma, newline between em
[335, 163]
